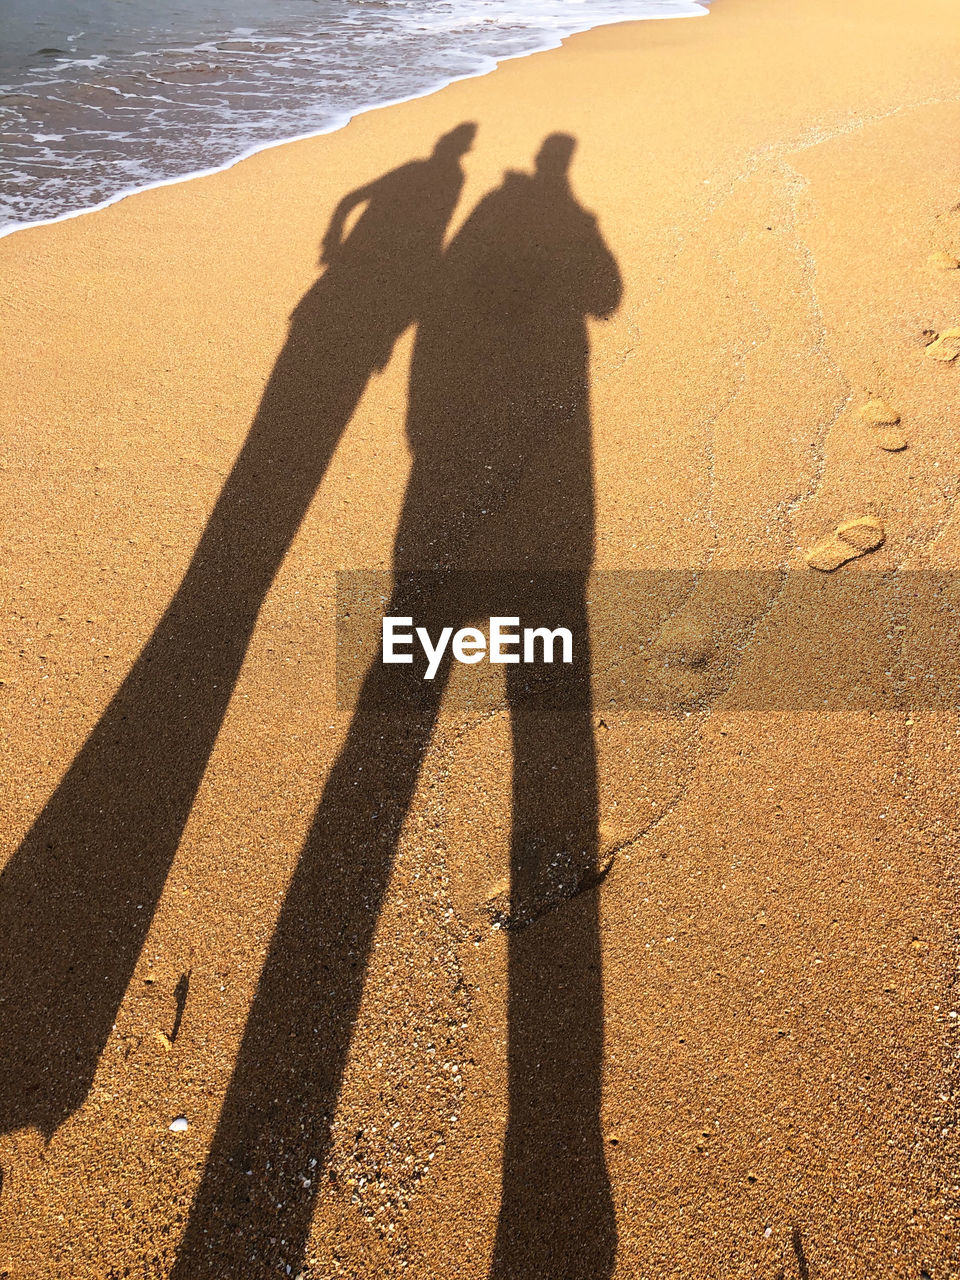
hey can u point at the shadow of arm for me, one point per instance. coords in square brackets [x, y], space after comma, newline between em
[333, 237]
[605, 288]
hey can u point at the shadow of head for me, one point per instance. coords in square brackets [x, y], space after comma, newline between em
[552, 161]
[457, 142]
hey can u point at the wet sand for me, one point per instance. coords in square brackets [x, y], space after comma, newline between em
[710, 1027]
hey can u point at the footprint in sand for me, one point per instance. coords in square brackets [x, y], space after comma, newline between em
[892, 441]
[685, 642]
[946, 236]
[685, 662]
[849, 540]
[564, 877]
[877, 413]
[943, 261]
[880, 415]
[946, 346]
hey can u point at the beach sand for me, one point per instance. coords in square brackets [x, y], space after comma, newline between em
[730, 1049]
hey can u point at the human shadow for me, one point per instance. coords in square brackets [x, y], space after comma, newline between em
[78, 896]
[498, 519]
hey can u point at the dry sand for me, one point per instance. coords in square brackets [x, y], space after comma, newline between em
[778, 186]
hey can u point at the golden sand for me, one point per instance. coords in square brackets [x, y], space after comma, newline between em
[722, 1044]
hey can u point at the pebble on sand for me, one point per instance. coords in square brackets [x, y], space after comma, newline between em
[179, 1125]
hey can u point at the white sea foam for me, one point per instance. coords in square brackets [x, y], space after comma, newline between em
[85, 128]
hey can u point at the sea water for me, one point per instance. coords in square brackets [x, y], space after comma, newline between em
[101, 97]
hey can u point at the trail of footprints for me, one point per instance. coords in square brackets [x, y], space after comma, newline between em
[683, 650]
[854, 538]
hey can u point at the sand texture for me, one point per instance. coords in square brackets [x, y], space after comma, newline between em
[647, 974]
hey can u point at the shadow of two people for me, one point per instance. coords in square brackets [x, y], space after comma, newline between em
[498, 517]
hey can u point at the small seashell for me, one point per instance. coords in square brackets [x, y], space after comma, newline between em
[179, 1125]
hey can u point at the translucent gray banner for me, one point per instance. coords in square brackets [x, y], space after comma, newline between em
[666, 641]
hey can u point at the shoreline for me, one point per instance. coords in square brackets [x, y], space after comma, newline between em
[341, 122]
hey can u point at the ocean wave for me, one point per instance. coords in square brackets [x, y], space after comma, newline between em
[156, 104]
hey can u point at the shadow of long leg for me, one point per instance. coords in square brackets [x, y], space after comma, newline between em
[78, 896]
[556, 1215]
[251, 1216]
